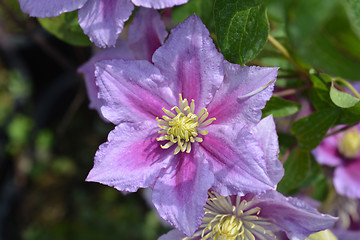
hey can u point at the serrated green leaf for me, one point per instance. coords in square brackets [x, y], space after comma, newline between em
[323, 36]
[66, 28]
[297, 168]
[342, 99]
[241, 28]
[310, 130]
[279, 107]
[202, 8]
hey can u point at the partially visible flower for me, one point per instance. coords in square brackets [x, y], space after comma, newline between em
[267, 216]
[323, 235]
[187, 122]
[342, 151]
[146, 33]
[101, 20]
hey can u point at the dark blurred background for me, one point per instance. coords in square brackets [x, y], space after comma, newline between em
[48, 138]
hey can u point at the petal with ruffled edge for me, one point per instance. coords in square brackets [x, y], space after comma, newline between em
[347, 179]
[237, 160]
[49, 8]
[180, 193]
[172, 235]
[265, 133]
[297, 219]
[120, 51]
[103, 20]
[326, 153]
[146, 33]
[158, 4]
[190, 62]
[131, 158]
[132, 91]
[243, 94]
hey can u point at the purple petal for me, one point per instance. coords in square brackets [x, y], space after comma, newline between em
[146, 33]
[131, 158]
[342, 234]
[131, 91]
[158, 4]
[292, 216]
[121, 51]
[347, 179]
[180, 194]
[230, 104]
[49, 8]
[265, 133]
[173, 235]
[237, 160]
[103, 20]
[190, 62]
[326, 153]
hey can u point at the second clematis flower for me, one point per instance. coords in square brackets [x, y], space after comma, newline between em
[342, 151]
[187, 122]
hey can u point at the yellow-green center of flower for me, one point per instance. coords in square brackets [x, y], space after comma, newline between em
[349, 145]
[225, 221]
[184, 126]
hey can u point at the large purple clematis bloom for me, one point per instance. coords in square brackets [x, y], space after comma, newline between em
[101, 20]
[269, 216]
[146, 33]
[342, 151]
[186, 123]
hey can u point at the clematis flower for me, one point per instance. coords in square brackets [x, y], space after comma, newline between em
[342, 151]
[267, 216]
[145, 34]
[186, 123]
[101, 20]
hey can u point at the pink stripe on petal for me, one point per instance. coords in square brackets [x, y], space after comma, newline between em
[181, 192]
[146, 33]
[158, 4]
[190, 62]
[131, 159]
[238, 162]
[229, 104]
[132, 91]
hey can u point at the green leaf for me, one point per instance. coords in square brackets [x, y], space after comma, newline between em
[342, 99]
[202, 8]
[279, 107]
[323, 36]
[241, 28]
[310, 130]
[297, 168]
[66, 28]
[354, 12]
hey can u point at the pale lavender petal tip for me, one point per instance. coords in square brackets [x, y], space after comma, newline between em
[158, 4]
[49, 8]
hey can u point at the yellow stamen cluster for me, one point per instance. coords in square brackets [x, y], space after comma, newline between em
[223, 220]
[183, 127]
[349, 145]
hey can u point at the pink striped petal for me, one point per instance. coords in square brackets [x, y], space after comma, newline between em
[131, 158]
[190, 62]
[326, 153]
[131, 91]
[243, 94]
[238, 162]
[181, 192]
[146, 33]
[103, 20]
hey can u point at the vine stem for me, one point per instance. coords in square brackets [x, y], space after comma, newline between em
[284, 52]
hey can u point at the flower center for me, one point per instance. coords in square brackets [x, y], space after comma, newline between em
[183, 127]
[349, 145]
[224, 220]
